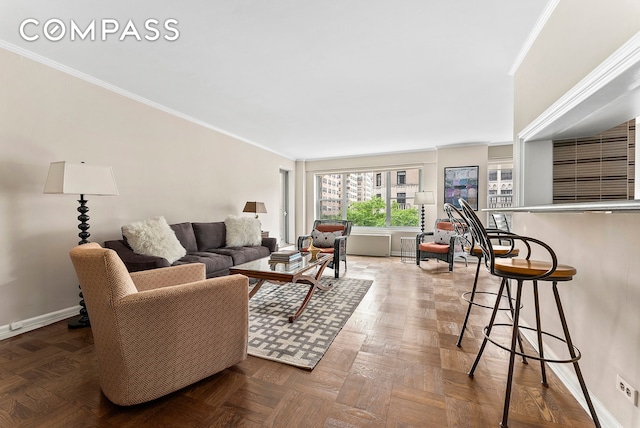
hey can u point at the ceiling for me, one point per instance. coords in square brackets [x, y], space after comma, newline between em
[306, 79]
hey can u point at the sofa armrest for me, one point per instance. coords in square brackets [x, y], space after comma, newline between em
[167, 276]
[133, 261]
[270, 243]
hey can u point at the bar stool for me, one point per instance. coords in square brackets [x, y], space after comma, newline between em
[522, 270]
[461, 225]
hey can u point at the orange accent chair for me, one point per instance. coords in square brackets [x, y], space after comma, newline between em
[330, 237]
[157, 331]
[447, 244]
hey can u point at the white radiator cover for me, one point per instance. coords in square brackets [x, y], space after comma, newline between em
[369, 245]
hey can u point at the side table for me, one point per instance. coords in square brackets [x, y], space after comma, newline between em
[407, 249]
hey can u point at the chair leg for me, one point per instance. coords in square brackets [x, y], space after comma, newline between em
[572, 352]
[488, 330]
[512, 357]
[536, 301]
[471, 299]
[524, 359]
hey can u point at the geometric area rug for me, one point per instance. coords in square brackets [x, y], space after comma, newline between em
[303, 342]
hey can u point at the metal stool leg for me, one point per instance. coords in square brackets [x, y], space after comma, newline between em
[543, 370]
[512, 355]
[572, 352]
[473, 295]
[524, 359]
[488, 329]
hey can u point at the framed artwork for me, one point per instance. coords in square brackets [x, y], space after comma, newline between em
[461, 182]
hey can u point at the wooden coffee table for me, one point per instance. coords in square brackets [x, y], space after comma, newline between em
[298, 272]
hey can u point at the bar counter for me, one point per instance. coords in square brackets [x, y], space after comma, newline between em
[605, 206]
[602, 302]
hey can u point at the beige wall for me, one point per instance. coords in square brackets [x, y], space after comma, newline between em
[602, 300]
[164, 165]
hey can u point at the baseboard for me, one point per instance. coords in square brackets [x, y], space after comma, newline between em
[567, 376]
[37, 322]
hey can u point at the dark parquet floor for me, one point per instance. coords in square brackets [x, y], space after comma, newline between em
[395, 364]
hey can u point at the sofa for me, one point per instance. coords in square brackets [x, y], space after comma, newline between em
[203, 243]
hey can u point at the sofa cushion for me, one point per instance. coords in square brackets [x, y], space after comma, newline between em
[212, 261]
[184, 233]
[242, 231]
[154, 237]
[210, 235]
[243, 254]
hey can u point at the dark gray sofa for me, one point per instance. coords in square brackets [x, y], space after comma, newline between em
[204, 242]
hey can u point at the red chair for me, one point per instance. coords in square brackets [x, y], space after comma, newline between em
[447, 244]
[329, 236]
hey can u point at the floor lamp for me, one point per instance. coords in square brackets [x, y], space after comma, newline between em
[423, 198]
[81, 179]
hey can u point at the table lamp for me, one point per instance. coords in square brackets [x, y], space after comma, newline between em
[254, 207]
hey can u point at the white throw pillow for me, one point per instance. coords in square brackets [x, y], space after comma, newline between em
[154, 237]
[243, 231]
[324, 239]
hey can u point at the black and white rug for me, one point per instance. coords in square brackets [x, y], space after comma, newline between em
[303, 342]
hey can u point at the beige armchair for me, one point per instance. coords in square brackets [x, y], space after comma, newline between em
[157, 331]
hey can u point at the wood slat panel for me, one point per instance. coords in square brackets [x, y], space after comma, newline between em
[595, 168]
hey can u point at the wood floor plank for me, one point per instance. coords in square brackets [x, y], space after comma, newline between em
[394, 364]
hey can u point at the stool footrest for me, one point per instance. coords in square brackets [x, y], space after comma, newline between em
[533, 357]
[466, 298]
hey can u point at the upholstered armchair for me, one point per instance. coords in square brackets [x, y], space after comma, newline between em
[330, 236]
[157, 331]
[446, 244]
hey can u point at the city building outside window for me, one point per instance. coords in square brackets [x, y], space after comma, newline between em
[499, 187]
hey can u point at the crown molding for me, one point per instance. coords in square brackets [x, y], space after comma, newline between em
[533, 35]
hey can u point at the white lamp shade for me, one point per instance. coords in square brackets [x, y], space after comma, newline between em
[424, 198]
[80, 179]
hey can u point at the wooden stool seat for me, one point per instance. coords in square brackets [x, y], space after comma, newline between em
[532, 268]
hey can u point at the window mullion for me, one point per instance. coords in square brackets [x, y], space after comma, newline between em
[388, 200]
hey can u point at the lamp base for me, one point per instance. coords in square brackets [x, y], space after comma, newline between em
[79, 321]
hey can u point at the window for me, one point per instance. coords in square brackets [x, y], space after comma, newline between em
[351, 196]
[402, 201]
[500, 186]
[402, 177]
